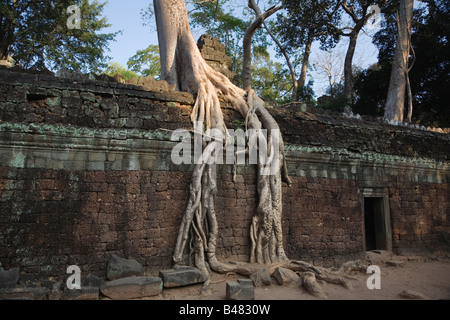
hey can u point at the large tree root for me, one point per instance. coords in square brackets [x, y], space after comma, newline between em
[199, 226]
[183, 66]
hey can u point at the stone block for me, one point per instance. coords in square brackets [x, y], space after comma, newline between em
[181, 276]
[132, 288]
[261, 278]
[92, 281]
[23, 294]
[121, 268]
[242, 289]
[85, 293]
[8, 278]
[286, 276]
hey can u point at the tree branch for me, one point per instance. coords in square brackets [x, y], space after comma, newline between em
[350, 11]
[247, 44]
[286, 56]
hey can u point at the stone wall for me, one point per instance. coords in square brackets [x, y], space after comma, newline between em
[213, 51]
[85, 172]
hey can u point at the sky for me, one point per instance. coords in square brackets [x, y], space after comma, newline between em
[126, 17]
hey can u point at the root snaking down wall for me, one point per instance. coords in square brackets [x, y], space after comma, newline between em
[85, 172]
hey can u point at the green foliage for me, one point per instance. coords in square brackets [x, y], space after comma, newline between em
[309, 19]
[269, 79]
[429, 75]
[306, 93]
[115, 67]
[35, 33]
[218, 19]
[146, 62]
[335, 100]
[370, 88]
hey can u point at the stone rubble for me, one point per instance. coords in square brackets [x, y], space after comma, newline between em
[242, 289]
[181, 276]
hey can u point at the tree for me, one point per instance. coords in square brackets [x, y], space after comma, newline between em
[247, 45]
[269, 79]
[370, 89]
[429, 76]
[217, 19]
[306, 21]
[36, 34]
[358, 11]
[183, 66]
[399, 81]
[115, 67]
[329, 67]
[146, 62]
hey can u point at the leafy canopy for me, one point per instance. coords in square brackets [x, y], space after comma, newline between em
[429, 74]
[146, 62]
[35, 34]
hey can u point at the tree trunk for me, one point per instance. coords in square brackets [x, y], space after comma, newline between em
[302, 79]
[288, 62]
[183, 65]
[348, 67]
[247, 45]
[6, 39]
[395, 101]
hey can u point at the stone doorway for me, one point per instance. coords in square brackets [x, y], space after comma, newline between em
[377, 222]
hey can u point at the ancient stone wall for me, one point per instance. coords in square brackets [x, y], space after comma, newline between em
[213, 51]
[86, 172]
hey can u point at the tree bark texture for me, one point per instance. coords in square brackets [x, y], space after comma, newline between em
[395, 101]
[302, 79]
[247, 45]
[183, 65]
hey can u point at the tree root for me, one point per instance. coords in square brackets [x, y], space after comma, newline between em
[199, 224]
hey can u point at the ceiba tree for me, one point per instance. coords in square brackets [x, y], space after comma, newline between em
[183, 67]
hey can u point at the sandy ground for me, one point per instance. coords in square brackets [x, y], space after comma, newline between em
[428, 276]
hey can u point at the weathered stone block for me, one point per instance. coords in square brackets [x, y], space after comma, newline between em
[8, 278]
[23, 294]
[132, 288]
[121, 268]
[182, 276]
[286, 276]
[85, 293]
[242, 289]
[92, 281]
[261, 278]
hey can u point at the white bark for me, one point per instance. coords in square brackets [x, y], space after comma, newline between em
[395, 101]
[183, 65]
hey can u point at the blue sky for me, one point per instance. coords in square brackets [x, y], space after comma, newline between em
[126, 16]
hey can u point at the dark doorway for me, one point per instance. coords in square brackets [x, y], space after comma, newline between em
[374, 224]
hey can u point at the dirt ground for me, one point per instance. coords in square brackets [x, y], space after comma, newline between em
[429, 277]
